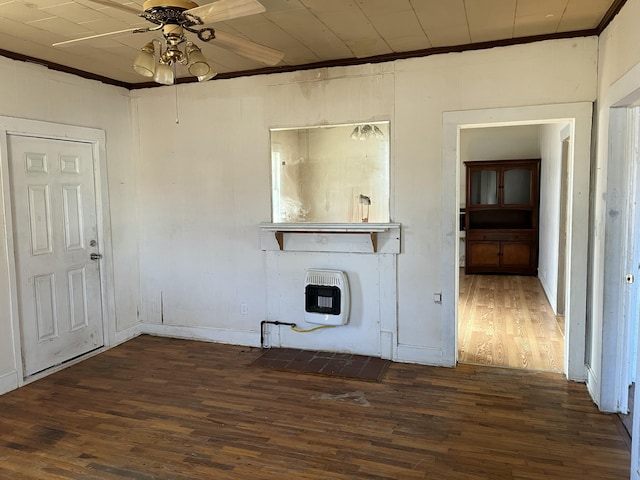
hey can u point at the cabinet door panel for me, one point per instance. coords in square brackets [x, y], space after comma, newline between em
[483, 254]
[516, 254]
[484, 187]
[517, 186]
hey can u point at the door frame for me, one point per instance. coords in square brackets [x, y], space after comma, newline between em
[579, 116]
[609, 372]
[563, 232]
[620, 251]
[55, 131]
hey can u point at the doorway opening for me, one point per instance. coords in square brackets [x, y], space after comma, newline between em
[621, 265]
[56, 225]
[516, 320]
[551, 121]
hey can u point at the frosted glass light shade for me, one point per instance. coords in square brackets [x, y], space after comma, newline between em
[164, 74]
[203, 78]
[197, 64]
[145, 62]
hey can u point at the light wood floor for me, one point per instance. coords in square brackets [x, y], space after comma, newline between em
[157, 408]
[507, 321]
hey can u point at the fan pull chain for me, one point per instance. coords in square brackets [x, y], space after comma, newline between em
[175, 86]
[177, 111]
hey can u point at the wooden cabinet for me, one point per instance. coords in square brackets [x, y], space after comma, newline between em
[501, 220]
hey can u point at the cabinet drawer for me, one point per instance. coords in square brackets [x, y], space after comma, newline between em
[499, 236]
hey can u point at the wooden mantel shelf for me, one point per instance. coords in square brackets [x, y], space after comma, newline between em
[370, 229]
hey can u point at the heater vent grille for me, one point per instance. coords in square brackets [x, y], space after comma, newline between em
[326, 297]
[325, 278]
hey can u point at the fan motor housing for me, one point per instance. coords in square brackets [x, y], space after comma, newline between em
[175, 4]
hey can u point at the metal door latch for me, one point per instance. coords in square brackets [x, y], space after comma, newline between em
[95, 256]
[629, 278]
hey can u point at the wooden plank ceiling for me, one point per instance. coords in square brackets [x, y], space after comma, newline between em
[307, 31]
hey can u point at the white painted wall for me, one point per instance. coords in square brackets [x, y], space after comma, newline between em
[494, 78]
[549, 229]
[33, 92]
[204, 183]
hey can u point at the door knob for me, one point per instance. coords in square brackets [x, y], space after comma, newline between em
[95, 256]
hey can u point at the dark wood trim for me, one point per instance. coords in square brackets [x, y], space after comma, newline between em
[616, 6]
[346, 62]
[63, 68]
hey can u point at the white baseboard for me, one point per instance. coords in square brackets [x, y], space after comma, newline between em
[421, 355]
[217, 335]
[405, 353]
[8, 382]
[128, 334]
[551, 296]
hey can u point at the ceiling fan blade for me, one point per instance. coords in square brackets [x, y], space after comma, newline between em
[249, 49]
[223, 10]
[128, 30]
[119, 6]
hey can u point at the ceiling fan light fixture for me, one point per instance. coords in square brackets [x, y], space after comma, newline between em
[196, 63]
[212, 73]
[173, 19]
[366, 132]
[164, 74]
[145, 62]
[363, 132]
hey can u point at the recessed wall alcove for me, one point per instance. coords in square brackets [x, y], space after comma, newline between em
[365, 252]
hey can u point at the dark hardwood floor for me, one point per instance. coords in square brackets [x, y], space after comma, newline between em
[156, 408]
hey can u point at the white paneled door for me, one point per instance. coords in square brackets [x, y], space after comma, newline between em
[56, 250]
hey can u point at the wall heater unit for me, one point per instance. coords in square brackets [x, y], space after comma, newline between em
[326, 297]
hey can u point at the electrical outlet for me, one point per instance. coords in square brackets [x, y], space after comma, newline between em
[244, 309]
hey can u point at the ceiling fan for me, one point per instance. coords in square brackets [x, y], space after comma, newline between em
[173, 18]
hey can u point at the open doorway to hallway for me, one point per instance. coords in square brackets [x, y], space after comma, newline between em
[514, 320]
[553, 120]
[507, 321]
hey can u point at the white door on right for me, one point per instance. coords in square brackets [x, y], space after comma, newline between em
[55, 236]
